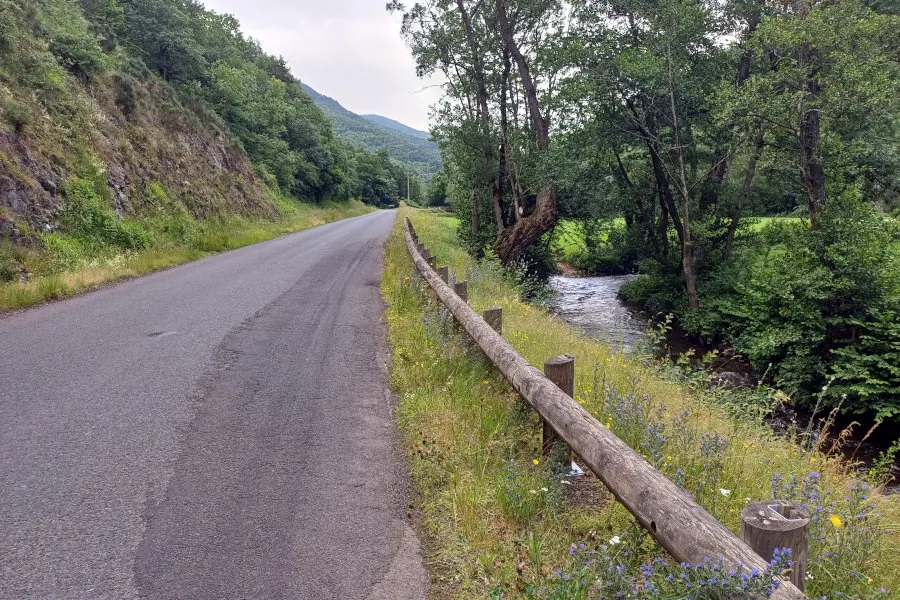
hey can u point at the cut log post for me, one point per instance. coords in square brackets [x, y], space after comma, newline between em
[494, 318]
[444, 274]
[775, 525]
[561, 371]
[462, 290]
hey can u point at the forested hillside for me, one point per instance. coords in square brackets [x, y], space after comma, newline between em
[661, 132]
[410, 147]
[141, 98]
[397, 126]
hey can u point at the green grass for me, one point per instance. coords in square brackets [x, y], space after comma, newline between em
[760, 223]
[569, 245]
[491, 529]
[68, 265]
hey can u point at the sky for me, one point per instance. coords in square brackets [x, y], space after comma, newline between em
[350, 50]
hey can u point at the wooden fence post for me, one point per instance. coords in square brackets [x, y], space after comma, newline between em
[774, 525]
[561, 371]
[444, 273]
[494, 318]
[462, 290]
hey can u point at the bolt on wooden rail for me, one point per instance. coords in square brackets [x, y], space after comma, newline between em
[680, 525]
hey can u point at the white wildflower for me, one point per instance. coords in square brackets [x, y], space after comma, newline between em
[615, 540]
[725, 492]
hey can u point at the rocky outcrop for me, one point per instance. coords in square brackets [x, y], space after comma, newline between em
[159, 146]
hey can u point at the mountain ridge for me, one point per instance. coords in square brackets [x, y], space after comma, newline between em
[407, 145]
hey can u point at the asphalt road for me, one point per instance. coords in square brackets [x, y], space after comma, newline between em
[221, 430]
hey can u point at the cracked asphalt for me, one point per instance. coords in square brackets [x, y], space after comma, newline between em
[221, 430]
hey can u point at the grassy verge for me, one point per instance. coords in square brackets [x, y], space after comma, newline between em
[66, 265]
[499, 522]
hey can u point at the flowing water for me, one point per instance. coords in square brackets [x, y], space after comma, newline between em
[591, 304]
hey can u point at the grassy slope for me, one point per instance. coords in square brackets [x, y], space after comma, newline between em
[490, 529]
[54, 280]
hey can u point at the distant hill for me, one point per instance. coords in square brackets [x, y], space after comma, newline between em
[406, 145]
[397, 126]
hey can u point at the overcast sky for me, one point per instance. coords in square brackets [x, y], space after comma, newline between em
[350, 50]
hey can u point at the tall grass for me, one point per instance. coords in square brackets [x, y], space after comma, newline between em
[499, 521]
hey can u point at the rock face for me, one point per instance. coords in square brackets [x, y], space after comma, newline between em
[160, 155]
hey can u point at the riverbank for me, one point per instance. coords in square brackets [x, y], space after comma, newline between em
[498, 525]
[64, 265]
[592, 305]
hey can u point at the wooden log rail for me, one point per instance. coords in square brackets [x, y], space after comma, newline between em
[680, 525]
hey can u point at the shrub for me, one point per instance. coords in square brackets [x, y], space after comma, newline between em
[17, 114]
[75, 46]
[88, 217]
[824, 303]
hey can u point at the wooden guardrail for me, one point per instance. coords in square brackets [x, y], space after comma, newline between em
[680, 525]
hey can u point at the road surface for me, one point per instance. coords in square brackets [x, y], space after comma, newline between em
[221, 430]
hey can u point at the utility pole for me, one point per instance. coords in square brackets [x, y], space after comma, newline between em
[407, 188]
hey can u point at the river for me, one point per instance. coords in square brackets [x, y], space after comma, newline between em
[592, 305]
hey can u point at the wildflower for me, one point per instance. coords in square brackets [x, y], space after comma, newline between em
[544, 489]
[485, 382]
[725, 492]
[536, 461]
[836, 521]
[615, 540]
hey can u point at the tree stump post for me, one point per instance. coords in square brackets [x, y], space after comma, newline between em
[774, 525]
[494, 317]
[462, 290]
[444, 273]
[561, 371]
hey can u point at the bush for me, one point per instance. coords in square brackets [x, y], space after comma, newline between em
[823, 304]
[88, 217]
[75, 46]
[17, 114]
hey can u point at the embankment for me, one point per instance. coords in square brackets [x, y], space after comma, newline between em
[499, 522]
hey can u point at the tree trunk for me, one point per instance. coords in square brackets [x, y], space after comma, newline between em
[687, 244]
[810, 133]
[745, 189]
[512, 244]
[474, 216]
[810, 129]
[503, 178]
[484, 115]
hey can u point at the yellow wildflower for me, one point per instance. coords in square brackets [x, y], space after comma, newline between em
[536, 461]
[836, 521]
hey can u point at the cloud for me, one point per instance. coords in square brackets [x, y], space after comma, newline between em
[350, 50]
